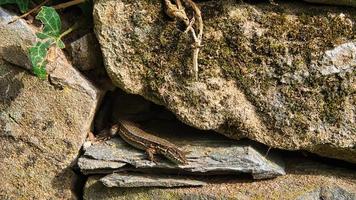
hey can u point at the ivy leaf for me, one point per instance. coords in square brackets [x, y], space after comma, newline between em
[43, 36]
[40, 72]
[50, 35]
[52, 23]
[38, 53]
[22, 4]
[60, 44]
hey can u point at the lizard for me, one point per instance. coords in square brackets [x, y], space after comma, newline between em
[140, 139]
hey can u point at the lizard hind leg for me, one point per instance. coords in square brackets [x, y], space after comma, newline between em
[150, 153]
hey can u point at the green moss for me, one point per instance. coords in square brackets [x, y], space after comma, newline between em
[262, 64]
[268, 50]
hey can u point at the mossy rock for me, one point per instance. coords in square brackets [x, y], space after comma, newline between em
[281, 75]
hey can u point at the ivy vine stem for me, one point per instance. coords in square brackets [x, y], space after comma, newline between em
[69, 30]
[29, 12]
[68, 4]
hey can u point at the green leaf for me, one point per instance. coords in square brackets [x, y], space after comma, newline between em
[60, 44]
[42, 36]
[52, 23]
[38, 54]
[22, 4]
[40, 72]
[50, 35]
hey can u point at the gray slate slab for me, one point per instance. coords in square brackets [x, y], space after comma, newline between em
[205, 156]
[147, 180]
[306, 180]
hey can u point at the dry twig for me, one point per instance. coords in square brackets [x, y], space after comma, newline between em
[177, 11]
[29, 12]
[68, 4]
[59, 6]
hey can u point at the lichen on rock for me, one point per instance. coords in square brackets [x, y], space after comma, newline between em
[43, 123]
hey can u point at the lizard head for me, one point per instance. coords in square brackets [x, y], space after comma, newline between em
[176, 156]
[114, 129]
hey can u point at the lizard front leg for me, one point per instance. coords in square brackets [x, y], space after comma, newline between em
[150, 153]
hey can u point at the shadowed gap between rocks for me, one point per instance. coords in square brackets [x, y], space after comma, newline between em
[155, 119]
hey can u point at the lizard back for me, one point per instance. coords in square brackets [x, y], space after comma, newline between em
[139, 134]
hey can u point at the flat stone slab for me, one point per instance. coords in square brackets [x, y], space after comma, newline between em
[91, 164]
[305, 180]
[206, 155]
[147, 180]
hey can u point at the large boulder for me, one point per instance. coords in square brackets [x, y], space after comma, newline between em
[43, 123]
[281, 75]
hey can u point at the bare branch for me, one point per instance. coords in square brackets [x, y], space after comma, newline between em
[177, 11]
[29, 12]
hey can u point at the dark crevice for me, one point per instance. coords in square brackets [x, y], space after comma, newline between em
[79, 183]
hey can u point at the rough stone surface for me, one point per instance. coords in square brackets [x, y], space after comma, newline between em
[206, 154]
[328, 193]
[304, 180]
[147, 180]
[85, 53]
[43, 123]
[87, 164]
[281, 75]
[15, 39]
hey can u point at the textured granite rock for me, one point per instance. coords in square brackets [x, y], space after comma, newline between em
[147, 180]
[85, 53]
[15, 39]
[41, 131]
[281, 75]
[304, 180]
[43, 123]
[328, 193]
